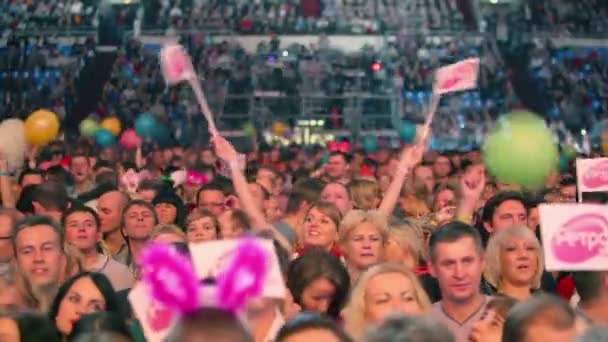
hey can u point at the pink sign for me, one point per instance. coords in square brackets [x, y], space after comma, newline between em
[211, 258]
[156, 320]
[575, 236]
[596, 175]
[591, 175]
[457, 77]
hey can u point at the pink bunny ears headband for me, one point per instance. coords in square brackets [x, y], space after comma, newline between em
[172, 280]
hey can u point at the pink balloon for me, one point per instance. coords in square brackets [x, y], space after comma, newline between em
[175, 64]
[129, 139]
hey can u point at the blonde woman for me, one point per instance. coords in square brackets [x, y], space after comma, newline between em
[405, 244]
[365, 194]
[380, 291]
[514, 262]
[362, 237]
[168, 233]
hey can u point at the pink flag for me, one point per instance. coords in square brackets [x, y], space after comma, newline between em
[457, 77]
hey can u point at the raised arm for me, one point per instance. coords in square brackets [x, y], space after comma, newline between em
[228, 154]
[410, 157]
[8, 198]
[472, 184]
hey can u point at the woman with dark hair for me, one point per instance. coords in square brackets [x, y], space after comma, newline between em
[319, 282]
[169, 208]
[100, 322]
[84, 293]
[28, 327]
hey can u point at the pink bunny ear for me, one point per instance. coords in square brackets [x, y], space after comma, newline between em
[196, 178]
[170, 277]
[244, 278]
[175, 64]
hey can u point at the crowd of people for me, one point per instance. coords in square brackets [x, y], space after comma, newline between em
[313, 16]
[397, 79]
[396, 244]
[402, 244]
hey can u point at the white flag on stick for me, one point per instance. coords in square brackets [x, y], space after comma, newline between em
[457, 77]
[176, 67]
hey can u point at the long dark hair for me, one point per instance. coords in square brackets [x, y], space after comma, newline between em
[36, 327]
[315, 264]
[101, 282]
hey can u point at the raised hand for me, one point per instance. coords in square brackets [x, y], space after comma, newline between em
[445, 215]
[473, 182]
[412, 156]
[224, 149]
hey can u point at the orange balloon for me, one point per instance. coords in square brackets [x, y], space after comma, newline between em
[279, 128]
[41, 127]
[112, 124]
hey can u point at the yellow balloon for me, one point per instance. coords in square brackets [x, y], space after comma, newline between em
[41, 127]
[279, 128]
[112, 124]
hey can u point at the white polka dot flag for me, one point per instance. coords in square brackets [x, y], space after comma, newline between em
[457, 77]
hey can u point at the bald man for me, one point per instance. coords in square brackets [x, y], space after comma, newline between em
[109, 208]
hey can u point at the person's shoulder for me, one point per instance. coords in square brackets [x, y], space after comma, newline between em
[116, 266]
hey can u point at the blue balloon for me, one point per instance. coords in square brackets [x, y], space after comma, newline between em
[105, 138]
[407, 131]
[145, 125]
[370, 144]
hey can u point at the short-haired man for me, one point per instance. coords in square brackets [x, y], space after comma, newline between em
[592, 288]
[50, 199]
[456, 254]
[38, 244]
[298, 204]
[80, 168]
[138, 220]
[109, 208]
[539, 319]
[30, 177]
[442, 167]
[211, 197]
[82, 230]
[337, 168]
[503, 210]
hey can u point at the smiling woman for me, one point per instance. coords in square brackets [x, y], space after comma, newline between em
[84, 293]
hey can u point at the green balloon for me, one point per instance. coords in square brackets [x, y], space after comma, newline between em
[88, 127]
[521, 150]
